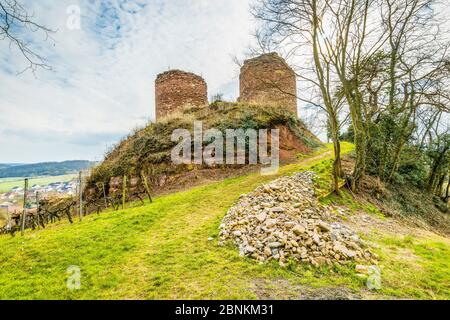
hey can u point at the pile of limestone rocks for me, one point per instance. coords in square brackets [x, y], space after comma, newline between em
[284, 220]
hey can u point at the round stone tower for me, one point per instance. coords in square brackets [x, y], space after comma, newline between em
[268, 79]
[176, 89]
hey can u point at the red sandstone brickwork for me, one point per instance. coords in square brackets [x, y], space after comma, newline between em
[268, 79]
[175, 89]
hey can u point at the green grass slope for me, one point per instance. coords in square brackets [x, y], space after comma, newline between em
[161, 251]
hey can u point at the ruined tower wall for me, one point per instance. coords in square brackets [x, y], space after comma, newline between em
[176, 89]
[268, 79]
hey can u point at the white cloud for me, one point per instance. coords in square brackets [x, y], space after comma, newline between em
[102, 83]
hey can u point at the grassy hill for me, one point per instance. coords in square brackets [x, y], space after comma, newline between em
[149, 149]
[162, 251]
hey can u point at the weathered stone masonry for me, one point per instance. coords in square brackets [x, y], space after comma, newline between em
[264, 80]
[268, 79]
[175, 89]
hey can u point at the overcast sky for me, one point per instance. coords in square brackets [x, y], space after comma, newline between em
[102, 82]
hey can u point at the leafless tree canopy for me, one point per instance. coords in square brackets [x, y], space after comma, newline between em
[384, 63]
[15, 24]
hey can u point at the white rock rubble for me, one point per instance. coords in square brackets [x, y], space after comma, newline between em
[284, 220]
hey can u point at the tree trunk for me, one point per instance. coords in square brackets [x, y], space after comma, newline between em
[337, 163]
[447, 192]
[360, 145]
[440, 185]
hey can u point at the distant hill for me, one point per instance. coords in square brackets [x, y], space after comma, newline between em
[9, 165]
[44, 168]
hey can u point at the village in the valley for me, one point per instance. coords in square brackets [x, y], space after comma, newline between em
[12, 201]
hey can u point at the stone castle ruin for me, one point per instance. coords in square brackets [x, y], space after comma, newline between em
[268, 79]
[177, 89]
[141, 165]
[264, 80]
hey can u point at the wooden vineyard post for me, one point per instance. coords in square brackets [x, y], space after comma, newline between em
[8, 221]
[37, 208]
[147, 188]
[80, 189]
[75, 207]
[24, 214]
[104, 195]
[124, 191]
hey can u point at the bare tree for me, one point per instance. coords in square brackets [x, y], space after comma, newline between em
[15, 24]
[326, 38]
[383, 60]
[409, 74]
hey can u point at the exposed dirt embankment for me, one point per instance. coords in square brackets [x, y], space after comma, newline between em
[146, 153]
